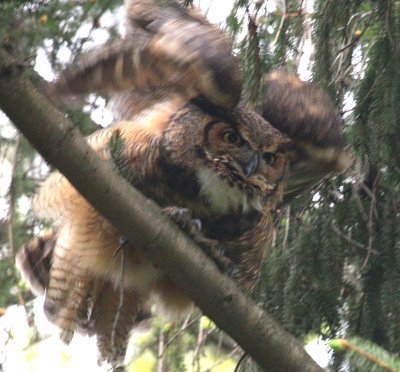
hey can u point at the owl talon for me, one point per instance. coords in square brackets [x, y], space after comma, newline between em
[221, 249]
[233, 271]
[123, 240]
[216, 251]
[197, 224]
[183, 218]
[212, 248]
[225, 264]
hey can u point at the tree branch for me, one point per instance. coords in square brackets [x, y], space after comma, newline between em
[141, 221]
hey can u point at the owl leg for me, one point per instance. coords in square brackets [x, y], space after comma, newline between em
[72, 313]
[66, 296]
[171, 301]
[112, 322]
[80, 249]
[183, 218]
[213, 248]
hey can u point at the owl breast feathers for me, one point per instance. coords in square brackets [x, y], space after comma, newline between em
[191, 148]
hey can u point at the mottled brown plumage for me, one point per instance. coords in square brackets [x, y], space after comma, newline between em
[190, 148]
[309, 118]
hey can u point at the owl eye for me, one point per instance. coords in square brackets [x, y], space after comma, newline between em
[232, 138]
[270, 158]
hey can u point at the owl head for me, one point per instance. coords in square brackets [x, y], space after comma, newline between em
[239, 158]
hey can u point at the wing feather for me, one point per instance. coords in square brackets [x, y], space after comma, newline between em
[177, 50]
[309, 118]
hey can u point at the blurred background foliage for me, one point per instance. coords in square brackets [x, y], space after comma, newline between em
[334, 265]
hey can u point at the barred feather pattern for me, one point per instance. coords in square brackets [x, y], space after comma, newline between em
[317, 133]
[178, 50]
[34, 260]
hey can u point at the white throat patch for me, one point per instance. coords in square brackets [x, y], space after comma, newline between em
[222, 197]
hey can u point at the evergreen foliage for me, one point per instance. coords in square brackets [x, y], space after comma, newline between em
[116, 146]
[334, 267]
[335, 264]
[366, 356]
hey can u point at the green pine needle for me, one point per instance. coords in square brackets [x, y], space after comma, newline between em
[336, 345]
[366, 356]
[116, 146]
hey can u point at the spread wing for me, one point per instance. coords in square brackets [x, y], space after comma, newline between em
[309, 118]
[177, 49]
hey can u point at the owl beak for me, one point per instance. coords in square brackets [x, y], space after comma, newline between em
[250, 167]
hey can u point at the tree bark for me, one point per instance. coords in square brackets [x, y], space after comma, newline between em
[142, 222]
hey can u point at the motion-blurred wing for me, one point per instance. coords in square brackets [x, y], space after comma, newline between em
[309, 118]
[177, 50]
[34, 261]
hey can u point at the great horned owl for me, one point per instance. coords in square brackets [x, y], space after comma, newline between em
[189, 147]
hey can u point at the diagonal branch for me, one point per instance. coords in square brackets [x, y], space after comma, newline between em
[141, 221]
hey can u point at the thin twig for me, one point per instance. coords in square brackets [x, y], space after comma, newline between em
[197, 349]
[95, 24]
[387, 21]
[372, 87]
[184, 327]
[121, 294]
[291, 14]
[230, 354]
[242, 358]
[278, 33]
[201, 340]
[348, 239]
[356, 197]
[160, 358]
[301, 8]
[287, 226]
[10, 223]
[371, 194]
[357, 39]
[370, 227]
[306, 33]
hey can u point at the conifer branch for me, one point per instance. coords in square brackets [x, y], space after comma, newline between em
[362, 353]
